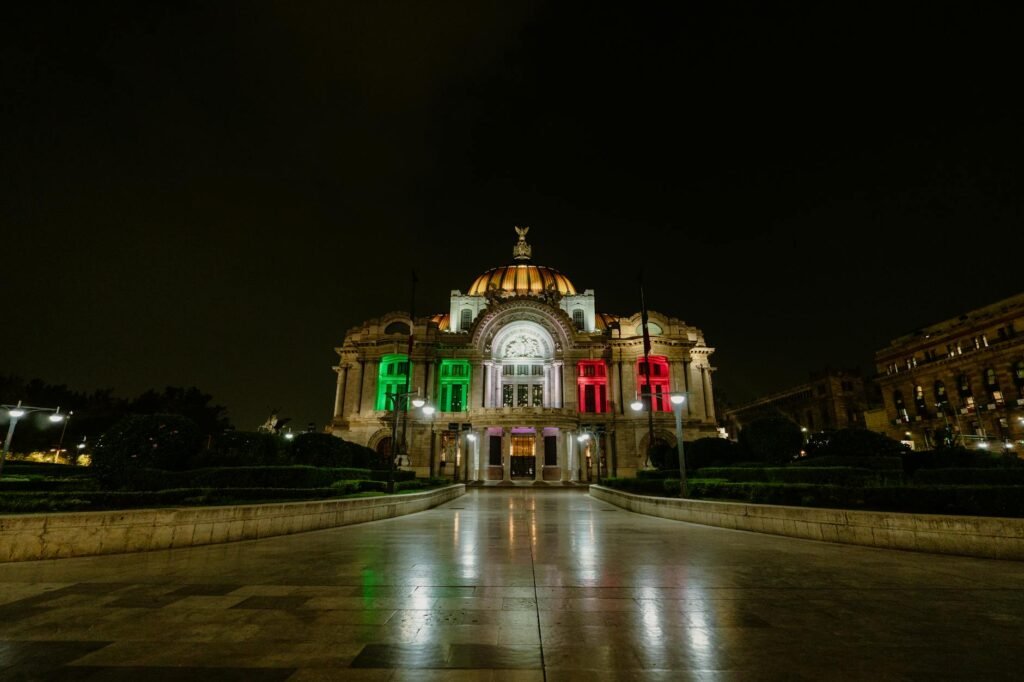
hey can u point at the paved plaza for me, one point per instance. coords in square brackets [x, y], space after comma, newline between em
[513, 584]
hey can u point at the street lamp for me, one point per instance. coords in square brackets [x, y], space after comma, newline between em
[582, 438]
[470, 438]
[16, 412]
[678, 399]
[396, 399]
[638, 405]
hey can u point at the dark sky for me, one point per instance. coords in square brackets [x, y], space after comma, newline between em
[211, 194]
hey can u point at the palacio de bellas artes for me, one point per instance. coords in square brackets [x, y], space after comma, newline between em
[522, 380]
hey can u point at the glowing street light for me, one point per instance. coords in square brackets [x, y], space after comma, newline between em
[396, 399]
[16, 412]
[583, 438]
[678, 399]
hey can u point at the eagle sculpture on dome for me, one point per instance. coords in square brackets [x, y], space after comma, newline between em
[522, 250]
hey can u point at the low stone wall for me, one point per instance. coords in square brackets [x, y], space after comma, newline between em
[977, 536]
[26, 537]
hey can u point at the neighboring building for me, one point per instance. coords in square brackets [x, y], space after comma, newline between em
[963, 376]
[525, 363]
[832, 399]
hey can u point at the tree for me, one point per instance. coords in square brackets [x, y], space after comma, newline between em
[663, 455]
[187, 402]
[323, 450]
[713, 452]
[158, 441]
[774, 440]
[241, 448]
[855, 443]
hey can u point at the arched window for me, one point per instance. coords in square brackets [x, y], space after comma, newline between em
[919, 402]
[391, 379]
[654, 382]
[465, 319]
[397, 328]
[941, 398]
[995, 394]
[901, 408]
[592, 386]
[578, 319]
[964, 385]
[453, 385]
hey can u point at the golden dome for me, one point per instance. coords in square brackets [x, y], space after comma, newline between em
[522, 280]
[442, 321]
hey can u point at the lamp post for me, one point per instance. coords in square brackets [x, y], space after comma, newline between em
[582, 438]
[60, 441]
[396, 400]
[678, 399]
[16, 412]
[470, 437]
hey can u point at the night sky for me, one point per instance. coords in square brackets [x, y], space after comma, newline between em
[211, 194]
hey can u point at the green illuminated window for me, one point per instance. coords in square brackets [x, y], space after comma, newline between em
[453, 386]
[391, 379]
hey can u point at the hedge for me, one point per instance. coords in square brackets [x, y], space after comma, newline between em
[880, 463]
[16, 468]
[850, 476]
[976, 500]
[640, 486]
[986, 476]
[245, 477]
[91, 500]
[46, 484]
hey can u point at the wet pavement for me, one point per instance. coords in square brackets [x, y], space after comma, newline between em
[512, 584]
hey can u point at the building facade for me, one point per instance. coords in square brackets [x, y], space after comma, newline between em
[959, 380]
[528, 380]
[831, 399]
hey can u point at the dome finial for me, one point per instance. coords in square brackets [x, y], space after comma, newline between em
[522, 250]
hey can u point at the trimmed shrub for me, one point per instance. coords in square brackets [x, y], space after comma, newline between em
[97, 500]
[775, 440]
[710, 452]
[849, 476]
[16, 468]
[640, 486]
[880, 463]
[241, 448]
[158, 441]
[658, 474]
[986, 476]
[854, 443]
[245, 477]
[36, 484]
[957, 458]
[324, 450]
[400, 475]
[977, 500]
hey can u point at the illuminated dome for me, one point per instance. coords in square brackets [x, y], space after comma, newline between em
[522, 280]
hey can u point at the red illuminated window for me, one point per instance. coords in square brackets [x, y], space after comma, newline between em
[592, 386]
[655, 382]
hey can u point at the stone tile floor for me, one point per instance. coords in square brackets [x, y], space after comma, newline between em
[511, 584]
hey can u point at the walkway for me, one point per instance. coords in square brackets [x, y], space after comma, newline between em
[511, 584]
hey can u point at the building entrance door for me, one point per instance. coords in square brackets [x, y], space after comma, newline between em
[523, 460]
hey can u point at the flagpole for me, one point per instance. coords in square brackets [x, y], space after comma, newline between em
[647, 373]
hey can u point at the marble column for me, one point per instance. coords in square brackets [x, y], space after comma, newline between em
[538, 453]
[559, 398]
[709, 398]
[573, 455]
[483, 452]
[563, 454]
[339, 394]
[488, 392]
[506, 455]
